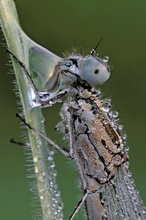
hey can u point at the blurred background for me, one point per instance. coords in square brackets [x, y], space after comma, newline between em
[61, 26]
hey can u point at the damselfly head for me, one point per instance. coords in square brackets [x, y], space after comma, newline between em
[52, 73]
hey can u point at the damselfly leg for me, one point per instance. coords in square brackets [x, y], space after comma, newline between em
[52, 143]
[67, 153]
[43, 98]
[13, 141]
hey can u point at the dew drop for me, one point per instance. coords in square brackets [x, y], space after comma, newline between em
[92, 51]
[40, 178]
[55, 174]
[105, 59]
[52, 165]
[110, 115]
[115, 114]
[49, 212]
[57, 194]
[51, 153]
[50, 158]
[41, 197]
[106, 109]
[50, 103]
[130, 175]
[28, 145]
[35, 159]
[124, 137]
[36, 170]
[120, 127]
[43, 174]
[43, 119]
[59, 100]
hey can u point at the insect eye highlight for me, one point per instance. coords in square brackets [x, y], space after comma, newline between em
[96, 71]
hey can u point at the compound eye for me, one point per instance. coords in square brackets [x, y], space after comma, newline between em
[94, 71]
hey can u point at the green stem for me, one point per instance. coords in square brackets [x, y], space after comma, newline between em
[18, 44]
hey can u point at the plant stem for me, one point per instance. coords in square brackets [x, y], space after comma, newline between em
[18, 44]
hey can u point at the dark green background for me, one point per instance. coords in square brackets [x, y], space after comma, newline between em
[60, 26]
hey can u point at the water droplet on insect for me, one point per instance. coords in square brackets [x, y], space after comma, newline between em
[110, 115]
[43, 119]
[59, 100]
[120, 127]
[52, 165]
[92, 51]
[105, 59]
[57, 194]
[43, 174]
[106, 109]
[130, 175]
[55, 174]
[115, 114]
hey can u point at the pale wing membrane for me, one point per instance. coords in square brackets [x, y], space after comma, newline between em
[42, 64]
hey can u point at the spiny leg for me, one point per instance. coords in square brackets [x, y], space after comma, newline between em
[69, 126]
[13, 141]
[63, 152]
[82, 201]
[26, 73]
[37, 93]
[57, 147]
[79, 205]
[26, 145]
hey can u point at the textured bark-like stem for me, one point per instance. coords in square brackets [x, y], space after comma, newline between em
[18, 44]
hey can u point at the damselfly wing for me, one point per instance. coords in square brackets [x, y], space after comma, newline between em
[42, 64]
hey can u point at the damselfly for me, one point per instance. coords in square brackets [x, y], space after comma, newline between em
[90, 128]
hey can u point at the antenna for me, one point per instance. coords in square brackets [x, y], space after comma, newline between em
[94, 50]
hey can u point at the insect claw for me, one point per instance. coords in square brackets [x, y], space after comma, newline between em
[12, 141]
[23, 120]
